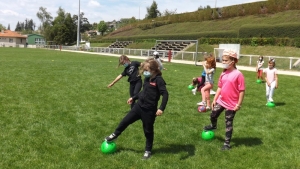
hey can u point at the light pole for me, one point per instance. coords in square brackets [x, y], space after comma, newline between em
[140, 8]
[153, 25]
[78, 26]
[215, 6]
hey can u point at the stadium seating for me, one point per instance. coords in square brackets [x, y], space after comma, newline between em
[120, 44]
[174, 46]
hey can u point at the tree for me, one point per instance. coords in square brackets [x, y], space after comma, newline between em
[169, 12]
[84, 23]
[102, 27]
[63, 29]
[152, 11]
[46, 20]
[8, 27]
[2, 27]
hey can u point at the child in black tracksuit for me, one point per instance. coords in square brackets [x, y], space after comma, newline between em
[132, 71]
[146, 108]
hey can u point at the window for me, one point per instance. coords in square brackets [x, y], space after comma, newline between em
[11, 40]
[39, 41]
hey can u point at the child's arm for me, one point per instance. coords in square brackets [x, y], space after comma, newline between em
[241, 98]
[276, 79]
[115, 81]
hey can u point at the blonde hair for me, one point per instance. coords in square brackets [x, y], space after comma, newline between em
[153, 67]
[123, 58]
[211, 61]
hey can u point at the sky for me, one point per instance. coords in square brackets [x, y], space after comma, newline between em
[97, 10]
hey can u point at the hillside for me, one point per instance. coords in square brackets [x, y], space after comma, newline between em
[290, 16]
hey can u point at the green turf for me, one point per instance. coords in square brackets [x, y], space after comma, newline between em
[56, 109]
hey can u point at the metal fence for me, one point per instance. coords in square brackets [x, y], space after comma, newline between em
[284, 63]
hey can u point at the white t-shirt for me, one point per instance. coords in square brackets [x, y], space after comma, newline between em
[270, 73]
[260, 64]
[210, 77]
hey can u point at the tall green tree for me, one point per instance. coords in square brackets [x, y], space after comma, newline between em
[46, 21]
[102, 27]
[152, 11]
[63, 29]
[8, 27]
[84, 23]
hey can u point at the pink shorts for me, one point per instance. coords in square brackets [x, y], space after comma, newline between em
[259, 73]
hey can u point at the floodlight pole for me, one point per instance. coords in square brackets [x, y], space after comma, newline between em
[215, 6]
[78, 26]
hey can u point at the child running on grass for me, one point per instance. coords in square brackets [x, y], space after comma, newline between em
[146, 107]
[229, 95]
[131, 69]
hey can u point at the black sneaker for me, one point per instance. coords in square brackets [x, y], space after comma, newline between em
[225, 147]
[111, 137]
[147, 155]
[210, 127]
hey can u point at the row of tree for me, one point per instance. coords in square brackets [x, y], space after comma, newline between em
[63, 28]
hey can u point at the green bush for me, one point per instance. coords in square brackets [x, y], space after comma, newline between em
[290, 30]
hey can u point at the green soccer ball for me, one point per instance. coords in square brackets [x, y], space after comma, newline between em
[208, 135]
[258, 81]
[108, 147]
[271, 104]
[190, 87]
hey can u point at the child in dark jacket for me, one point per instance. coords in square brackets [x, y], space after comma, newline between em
[146, 108]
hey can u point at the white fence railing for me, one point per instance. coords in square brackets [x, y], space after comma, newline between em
[250, 60]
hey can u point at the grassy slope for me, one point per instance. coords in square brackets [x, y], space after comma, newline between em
[226, 24]
[218, 25]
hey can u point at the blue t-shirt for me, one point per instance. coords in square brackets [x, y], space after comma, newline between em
[203, 73]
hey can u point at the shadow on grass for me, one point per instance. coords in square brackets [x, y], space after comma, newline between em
[279, 103]
[171, 149]
[247, 141]
[177, 148]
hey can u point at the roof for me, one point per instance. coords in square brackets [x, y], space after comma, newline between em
[11, 34]
[34, 35]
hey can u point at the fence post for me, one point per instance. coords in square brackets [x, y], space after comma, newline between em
[170, 55]
[291, 61]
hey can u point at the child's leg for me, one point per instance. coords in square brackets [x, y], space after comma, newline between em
[215, 113]
[267, 92]
[229, 116]
[148, 119]
[272, 89]
[203, 91]
[207, 94]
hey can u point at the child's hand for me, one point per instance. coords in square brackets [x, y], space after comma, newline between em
[159, 112]
[110, 85]
[129, 101]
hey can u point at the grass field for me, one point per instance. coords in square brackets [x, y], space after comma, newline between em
[56, 111]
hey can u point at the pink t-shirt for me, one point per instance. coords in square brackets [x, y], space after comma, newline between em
[231, 83]
[270, 74]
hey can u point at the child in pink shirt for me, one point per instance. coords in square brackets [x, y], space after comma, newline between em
[229, 95]
[271, 80]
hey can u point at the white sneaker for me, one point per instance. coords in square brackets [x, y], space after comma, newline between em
[212, 92]
[208, 108]
[271, 100]
[194, 91]
[201, 103]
